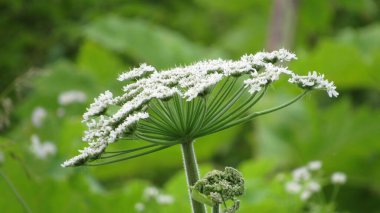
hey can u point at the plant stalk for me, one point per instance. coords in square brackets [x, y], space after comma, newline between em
[192, 173]
[215, 209]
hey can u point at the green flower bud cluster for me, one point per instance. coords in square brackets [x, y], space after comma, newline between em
[217, 187]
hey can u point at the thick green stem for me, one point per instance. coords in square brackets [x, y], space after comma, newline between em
[192, 173]
[215, 209]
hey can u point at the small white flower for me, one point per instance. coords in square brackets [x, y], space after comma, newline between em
[139, 207]
[338, 178]
[293, 187]
[313, 186]
[42, 150]
[305, 195]
[164, 199]
[38, 116]
[150, 192]
[301, 174]
[314, 165]
[71, 96]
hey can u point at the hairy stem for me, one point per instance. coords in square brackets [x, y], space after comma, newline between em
[192, 173]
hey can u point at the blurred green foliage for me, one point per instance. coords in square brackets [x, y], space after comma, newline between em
[84, 45]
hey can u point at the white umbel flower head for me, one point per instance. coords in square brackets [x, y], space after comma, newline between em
[338, 178]
[111, 118]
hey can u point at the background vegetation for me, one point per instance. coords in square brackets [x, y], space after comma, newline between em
[51, 47]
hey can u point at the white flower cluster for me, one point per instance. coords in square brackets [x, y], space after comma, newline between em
[303, 183]
[100, 104]
[136, 72]
[146, 83]
[42, 150]
[315, 81]
[150, 194]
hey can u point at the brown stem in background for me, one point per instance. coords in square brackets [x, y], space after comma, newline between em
[283, 24]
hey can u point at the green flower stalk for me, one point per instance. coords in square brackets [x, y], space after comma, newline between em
[179, 105]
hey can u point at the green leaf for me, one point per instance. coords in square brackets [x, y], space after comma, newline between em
[101, 63]
[366, 39]
[198, 196]
[342, 63]
[145, 42]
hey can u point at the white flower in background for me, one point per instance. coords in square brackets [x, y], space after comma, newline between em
[305, 195]
[151, 197]
[293, 187]
[303, 182]
[71, 96]
[42, 150]
[313, 186]
[314, 165]
[301, 174]
[164, 199]
[338, 178]
[306, 181]
[139, 207]
[38, 116]
[150, 192]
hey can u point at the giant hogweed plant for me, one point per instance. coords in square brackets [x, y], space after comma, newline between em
[177, 106]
